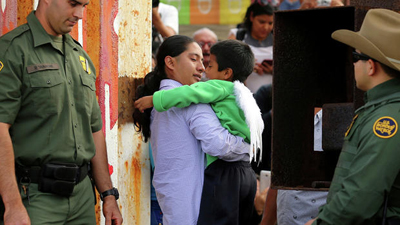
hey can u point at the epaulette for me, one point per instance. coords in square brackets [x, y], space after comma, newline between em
[77, 42]
[7, 39]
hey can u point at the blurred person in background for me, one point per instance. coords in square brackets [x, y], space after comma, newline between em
[311, 4]
[289, 4]
[206, 38]
[257, 32]
[165, 23]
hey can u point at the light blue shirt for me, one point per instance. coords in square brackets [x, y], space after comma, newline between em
[298, 207]
[295, 207]
[179, 139]
[318, 131]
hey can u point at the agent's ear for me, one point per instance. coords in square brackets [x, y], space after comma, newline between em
[372, 66]
[169, 62]
[228, 74]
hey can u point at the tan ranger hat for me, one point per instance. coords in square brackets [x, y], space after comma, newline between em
[379, 37]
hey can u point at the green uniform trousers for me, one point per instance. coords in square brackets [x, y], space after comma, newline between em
[47, 208]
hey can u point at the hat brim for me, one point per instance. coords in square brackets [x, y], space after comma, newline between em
[357, 41]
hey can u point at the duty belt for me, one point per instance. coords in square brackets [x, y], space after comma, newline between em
[57, 178]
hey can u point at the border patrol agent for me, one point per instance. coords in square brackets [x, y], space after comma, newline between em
[366, 185]
[50, 124]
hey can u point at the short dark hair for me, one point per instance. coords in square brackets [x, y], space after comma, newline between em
[257, 9]
[236, 55]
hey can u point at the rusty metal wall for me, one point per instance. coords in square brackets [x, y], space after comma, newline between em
[134, 25]
[117, 36]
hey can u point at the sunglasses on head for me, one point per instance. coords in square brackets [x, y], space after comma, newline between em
[359, 56]
[205, 43]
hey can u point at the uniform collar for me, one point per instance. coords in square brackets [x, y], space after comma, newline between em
[40, 36]
[381, 91]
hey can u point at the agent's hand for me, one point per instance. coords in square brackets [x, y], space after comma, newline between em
[17, 215]
[111, 211]
[144, 103]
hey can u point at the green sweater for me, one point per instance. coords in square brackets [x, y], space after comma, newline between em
[218, 93]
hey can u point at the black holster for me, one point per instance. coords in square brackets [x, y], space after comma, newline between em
[56, 178]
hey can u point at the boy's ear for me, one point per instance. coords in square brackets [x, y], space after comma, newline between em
[169, 62]
[228, 74]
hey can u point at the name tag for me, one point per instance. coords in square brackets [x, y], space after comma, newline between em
[40, 67]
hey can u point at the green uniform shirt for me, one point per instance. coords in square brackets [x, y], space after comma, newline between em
[48, 96]
[218, 93]
[369, 163]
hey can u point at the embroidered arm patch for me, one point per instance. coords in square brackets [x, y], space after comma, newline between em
[385, 127]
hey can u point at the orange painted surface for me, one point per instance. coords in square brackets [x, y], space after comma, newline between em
[204, 12]
[24, 8]
[108, 70]
[135, 178]
[8, 18]
[92, 37]
[84, 29]
[132, 177]
[91, 44]
[74, 32]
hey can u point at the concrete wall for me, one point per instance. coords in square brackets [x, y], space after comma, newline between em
[117, 36]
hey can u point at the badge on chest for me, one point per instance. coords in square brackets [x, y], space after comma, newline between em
[85, 64]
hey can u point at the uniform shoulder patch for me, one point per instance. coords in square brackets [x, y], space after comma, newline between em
[385, 127]
[1, 65]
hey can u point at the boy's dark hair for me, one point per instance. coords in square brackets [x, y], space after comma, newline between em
[257, 9]
[236, 55]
